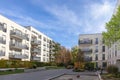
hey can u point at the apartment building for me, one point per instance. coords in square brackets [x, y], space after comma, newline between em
[40, 45]
[94, 49]
[22, 43]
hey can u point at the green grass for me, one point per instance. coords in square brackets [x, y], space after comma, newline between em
[11, 71]
[108, 76]
[54, 67]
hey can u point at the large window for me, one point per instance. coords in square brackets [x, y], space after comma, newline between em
[96, 49]
[103, 56]
[104, 64]
[103, 48]
[96, 57]
[96, 40]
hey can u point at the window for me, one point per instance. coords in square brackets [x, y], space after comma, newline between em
[5, 27]
[103, 48]
[115, 50]
[3, 39]
[104, 64]
[96, 57]
[96, 41]
[2, 51]
[39, 36]
[103, 56]
[96, 49]
[96, 64]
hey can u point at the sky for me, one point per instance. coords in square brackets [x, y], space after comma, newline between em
[61, 20]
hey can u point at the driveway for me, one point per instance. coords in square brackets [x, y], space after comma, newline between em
[40, 75]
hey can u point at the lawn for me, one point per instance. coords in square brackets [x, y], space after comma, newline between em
[11, 71]
[111, 76]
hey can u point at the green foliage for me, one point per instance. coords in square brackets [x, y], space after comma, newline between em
[113, 29]
[89, 66]
[112, 69]
[74, 52]
[21, 64]
[11, 71]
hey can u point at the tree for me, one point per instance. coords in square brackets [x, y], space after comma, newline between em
[77, 57]
[113, 29]
[74, 52]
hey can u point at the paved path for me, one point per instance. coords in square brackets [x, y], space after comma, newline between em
[40, 75]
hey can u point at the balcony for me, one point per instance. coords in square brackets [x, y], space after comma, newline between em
[2, 53]
[87, 58]
[2, 27]
[16, 46]
[26, 47]
[18, 55]
[26, 37]
[96, 50]
[35, 42]
[2, 40]
[36, 50]
[36, 58]
[85, 42]
[87, 50]
[16, 35]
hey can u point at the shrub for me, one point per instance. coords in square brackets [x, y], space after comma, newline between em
[112, 69]
[89, 66]
[69, 67]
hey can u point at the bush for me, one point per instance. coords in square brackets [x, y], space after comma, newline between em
[78, 70]
[69, 67]
[89, 66]
[112, 69]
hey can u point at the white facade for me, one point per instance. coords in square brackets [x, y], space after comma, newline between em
[94, 49]
[18, 42]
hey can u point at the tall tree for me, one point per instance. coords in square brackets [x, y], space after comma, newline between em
[74, 53]
[113, 29]
[77, 57]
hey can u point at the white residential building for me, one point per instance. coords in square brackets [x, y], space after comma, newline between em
[94, 49]
[20, 43]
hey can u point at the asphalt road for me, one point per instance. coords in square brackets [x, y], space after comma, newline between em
[40, 75]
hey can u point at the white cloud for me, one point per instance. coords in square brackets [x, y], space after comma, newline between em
[23, 19]
[64, 14]
[99, 14]
[99, 10]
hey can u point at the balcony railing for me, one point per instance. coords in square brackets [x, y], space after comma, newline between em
[96, 50]
[87, 50]
[18, 55]
[2, 27]
[16, 34]
[16, 46]
[36, 50]
[2, 53]
[36, 58]
[26, 37]
[85, 42]
[88, 58]
[2, 40]
[26, 47]
[35, 42]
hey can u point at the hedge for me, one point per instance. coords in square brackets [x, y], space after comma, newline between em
[21, 64]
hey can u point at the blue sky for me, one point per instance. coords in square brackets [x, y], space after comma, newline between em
[62, 20]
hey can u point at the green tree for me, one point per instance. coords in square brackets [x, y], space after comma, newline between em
[74, 53]
[113, 29]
